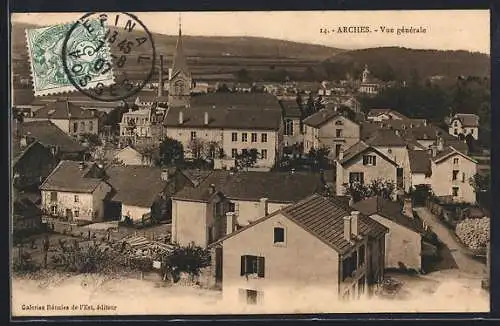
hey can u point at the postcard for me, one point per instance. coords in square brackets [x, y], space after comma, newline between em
[168, 163]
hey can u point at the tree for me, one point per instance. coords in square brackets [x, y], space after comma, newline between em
[319, 157]
[171, 152]
[481, 183]
[247, 158]
[150, 154]
[188, 259]
[197, 147]
[214, 150]
[377, 187]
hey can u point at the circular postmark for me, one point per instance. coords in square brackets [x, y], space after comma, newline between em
[108, 57]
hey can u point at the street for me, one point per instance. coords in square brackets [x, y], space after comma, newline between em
[464, 262]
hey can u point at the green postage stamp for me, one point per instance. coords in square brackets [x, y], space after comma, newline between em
[86, 54]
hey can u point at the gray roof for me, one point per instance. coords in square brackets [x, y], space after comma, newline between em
[48, 134]
[386, 137]
[283, 187]
[323, 217]
[321, 117]
[359, 148]
[291, 109]
[420, 161]
[135, 185]
[67, 176]
[388, 209]
[235, 117]
[63, 109]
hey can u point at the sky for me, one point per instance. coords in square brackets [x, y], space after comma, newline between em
[444, 29]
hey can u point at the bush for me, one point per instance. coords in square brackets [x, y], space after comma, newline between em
[83, 260]
[190, 259]
[24, 264]
[474, 233]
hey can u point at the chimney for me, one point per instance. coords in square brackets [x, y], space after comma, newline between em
[440, 143]
[160, 78]
[211, 188]
[229, 222]
[263, 211]
[433, 151]
[407, 208]
[205, 121]
[164, 175]
[347, 228]
[355, 223]
[181, 118]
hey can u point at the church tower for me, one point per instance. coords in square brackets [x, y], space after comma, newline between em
[366, 75]
[180, 78]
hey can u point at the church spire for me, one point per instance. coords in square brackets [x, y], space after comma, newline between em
[179, 63]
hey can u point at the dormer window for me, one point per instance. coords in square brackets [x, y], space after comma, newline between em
[339, 123]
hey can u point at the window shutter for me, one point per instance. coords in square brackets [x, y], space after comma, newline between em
[243, 265]
[260, 263]
[374, 160]
[364, 160]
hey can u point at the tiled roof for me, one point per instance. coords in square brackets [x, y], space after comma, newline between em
[249, 117]
[135, 185]
[228, 99]
[197, 176]
[62, 109]
[447, 151]
[386, 137]
[290, 109]
[467, 119]
[323, 217]
[420, 161]
[367, 129]
[67, 176]
[377, 112]
[388, 209]
[358, 149]
[48, 134]
[321, 117]
[283, 187]
[428, 132]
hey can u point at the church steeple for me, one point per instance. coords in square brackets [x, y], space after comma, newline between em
[180, 77]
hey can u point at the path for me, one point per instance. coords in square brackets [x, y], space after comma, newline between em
[459, 253]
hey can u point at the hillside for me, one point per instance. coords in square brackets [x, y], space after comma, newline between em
[398, 63]
[212, 54]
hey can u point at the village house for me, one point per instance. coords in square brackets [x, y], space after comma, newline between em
[70, 118]
[131, 156]
[138, 192]
[293, 127]
[233, 123]
[199, 212]
[362, 163]
[464, 124]
[50, 136]
[427, 135]
[75, 191]
[379, 115]
[142, 125]
[451, 172]
[341, 254]
[403, 241]
[420, 167]
[329, 128]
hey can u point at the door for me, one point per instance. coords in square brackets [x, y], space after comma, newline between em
[338, 148]
[218, 265]
[399, 177]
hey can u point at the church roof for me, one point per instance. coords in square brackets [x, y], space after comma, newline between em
[179, 62]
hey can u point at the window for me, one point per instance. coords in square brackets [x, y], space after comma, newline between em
[361, 256]
[263, 138]
[53, 210]
[455, 160]
[75, 126]
[250, 297]
[356, 177]
[338, 133]
[349, 265]
[234, 153]
[234, 136]
[53, 196]
[463, 176]
[339, 123]
[193, 135]
[263, 154]
[455, 174]
[288, 127]
[456, 123]
[91, 125]
[76, 213]
[279, 235]
[252, 265]
[77, 199]
[454, 191]
[244, 137]
[82, 126]
[254, 137]
[455, 131]
[370, 160]
[338, 148]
